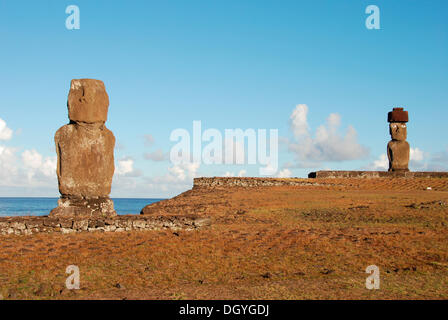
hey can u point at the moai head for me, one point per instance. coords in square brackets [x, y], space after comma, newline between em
[87, 101]
[398, 131]
[397, 119]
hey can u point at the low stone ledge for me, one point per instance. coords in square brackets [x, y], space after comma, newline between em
[377, 174]
[44, 224]
[249, 182]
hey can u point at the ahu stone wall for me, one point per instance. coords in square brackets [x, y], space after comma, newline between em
[376, 174]
[44, 224]
[249, 182]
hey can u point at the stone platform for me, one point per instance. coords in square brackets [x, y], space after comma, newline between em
[44, 224]
[248, 182]
[377, 174]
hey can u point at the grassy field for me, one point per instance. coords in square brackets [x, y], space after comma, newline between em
[301, 242]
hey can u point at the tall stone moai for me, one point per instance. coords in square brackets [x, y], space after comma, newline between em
[398, 149]
[85, 151]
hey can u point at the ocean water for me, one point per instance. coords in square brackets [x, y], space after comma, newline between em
[43, 206]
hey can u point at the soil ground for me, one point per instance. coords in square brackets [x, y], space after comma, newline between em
[295, 242]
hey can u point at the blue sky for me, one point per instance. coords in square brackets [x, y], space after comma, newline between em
[230, 64]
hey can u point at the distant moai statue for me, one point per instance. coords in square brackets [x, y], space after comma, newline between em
[85, 152]
[398, 149]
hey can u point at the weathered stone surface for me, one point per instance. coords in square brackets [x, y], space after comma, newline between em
[45, 224]
[376, 174]
[397, 115]
[247, 182]
[85, 153]
[87, 101]
[398, 131]
[398, 149]
[85, 160]
[82, 207]
[80, 225]
[398, 153]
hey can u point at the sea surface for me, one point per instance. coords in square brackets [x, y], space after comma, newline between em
[43, 206]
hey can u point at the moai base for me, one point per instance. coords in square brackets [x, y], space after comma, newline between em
[398, 149]
[85, 151]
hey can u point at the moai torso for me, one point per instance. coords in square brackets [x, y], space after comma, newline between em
[85, 160]
[398, 149]
[85, 150]
[398, 154]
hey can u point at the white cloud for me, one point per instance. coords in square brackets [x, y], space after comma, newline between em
[440, 157]
[124, 166]
[327, 144]
[298, 120]
[418, 160]
[8, 164]
[149, 140]
[241, 173]
[5, 132]
[37, 169]
[416, 154]
[32, 159]
[183, 171]
[34, 162]
[177, 179]
[285, 173]
[334, 120]
[125, 181]
[48, 167]
[381, 164]
[438, 161]
[157, 155]
[30, 172]
[269, 170]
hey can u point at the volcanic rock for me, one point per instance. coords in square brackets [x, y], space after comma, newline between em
[87, 101]
[398, 149]
[85, 152]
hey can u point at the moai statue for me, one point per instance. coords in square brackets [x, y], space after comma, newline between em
[85, 151]
[398, 148]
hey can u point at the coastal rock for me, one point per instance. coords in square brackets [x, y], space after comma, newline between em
[85, 153]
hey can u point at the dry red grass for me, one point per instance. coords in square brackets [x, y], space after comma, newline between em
[304, 242]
